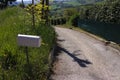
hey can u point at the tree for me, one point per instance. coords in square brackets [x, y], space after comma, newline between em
[45, 12]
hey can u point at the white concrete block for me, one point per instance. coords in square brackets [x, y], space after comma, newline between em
[28, 40]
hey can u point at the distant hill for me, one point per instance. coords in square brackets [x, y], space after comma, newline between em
[58, 4]
[79, 1]
[88, 1]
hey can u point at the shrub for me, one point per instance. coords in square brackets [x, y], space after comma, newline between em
[74, 20]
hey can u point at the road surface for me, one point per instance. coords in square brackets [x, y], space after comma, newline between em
[82, 57]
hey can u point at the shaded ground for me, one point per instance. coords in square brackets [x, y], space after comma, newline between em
[81, 57]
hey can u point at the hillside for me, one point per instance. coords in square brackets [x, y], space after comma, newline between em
[58, 4]
[78, 1]
[84, 1]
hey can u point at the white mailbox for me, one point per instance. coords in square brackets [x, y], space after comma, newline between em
[28, 40]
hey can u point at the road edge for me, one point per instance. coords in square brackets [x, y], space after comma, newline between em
[110, 43]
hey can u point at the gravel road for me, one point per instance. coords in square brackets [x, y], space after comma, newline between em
[82, 57]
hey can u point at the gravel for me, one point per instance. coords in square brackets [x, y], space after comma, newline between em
[82, 57]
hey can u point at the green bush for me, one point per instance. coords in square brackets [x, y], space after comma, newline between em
[107, 12]
[74, 20]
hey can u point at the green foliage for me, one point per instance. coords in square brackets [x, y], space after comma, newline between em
[13, 66]
[58, 21]
[9, 60]
[73, 3]
[68, 12]
[108, 12]
[74, 20]
[39, 11]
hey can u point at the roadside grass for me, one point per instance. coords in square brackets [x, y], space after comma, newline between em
[13, 66]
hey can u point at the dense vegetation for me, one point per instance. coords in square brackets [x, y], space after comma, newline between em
[13, 66]
[58, 4]
[58, 7]
[108, 12]
[65, 11]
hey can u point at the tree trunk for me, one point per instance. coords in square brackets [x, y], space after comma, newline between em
[47, 12]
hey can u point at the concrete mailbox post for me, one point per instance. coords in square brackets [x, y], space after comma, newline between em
[28, 41]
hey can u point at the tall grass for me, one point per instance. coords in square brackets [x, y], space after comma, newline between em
[13, 66]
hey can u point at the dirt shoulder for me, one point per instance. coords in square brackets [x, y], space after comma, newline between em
[82, 57]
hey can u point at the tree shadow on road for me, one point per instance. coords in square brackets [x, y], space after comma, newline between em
[60, 40]
[81, 62]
